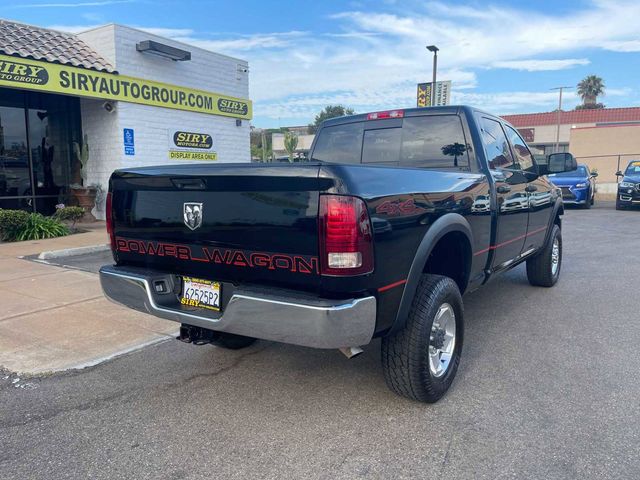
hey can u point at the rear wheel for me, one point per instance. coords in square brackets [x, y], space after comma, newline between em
[420, 361]
[543, 270]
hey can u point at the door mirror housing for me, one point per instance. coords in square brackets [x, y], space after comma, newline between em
[619, 174]
[594, 174]
[560, 162]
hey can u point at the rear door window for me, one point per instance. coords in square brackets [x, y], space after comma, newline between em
[434, 141]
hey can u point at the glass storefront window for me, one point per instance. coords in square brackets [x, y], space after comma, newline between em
[37, 132]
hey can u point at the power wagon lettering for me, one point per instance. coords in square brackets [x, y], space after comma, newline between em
[220, 256]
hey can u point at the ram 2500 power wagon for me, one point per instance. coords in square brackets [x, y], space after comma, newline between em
[395, 216]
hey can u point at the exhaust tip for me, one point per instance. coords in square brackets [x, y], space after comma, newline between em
[351, 352]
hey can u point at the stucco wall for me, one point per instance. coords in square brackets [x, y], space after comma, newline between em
[152, 125]
[599, 147]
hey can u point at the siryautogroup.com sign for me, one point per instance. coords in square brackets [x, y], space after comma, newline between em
[49, 77]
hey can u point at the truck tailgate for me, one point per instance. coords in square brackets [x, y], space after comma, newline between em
[240, 223]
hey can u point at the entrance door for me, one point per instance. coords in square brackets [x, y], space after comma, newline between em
[37, 131]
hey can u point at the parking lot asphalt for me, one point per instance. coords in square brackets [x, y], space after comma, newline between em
[548, 387]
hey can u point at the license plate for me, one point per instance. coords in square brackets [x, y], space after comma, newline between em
[200, 293]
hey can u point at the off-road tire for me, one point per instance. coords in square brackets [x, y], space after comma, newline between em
[405, 354]
[231, 341]
[540, 268]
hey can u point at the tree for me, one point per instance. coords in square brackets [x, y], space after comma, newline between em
[454, 150]
[589, 89]
[330, 111]
[290, 144]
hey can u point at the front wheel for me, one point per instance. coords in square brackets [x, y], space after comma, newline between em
[543, 270]
[420, 361]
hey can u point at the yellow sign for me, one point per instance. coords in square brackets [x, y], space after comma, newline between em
[424, 95]
[50, 77]
[181, 155]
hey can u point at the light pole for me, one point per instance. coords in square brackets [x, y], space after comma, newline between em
[434, 49]
[557, 149]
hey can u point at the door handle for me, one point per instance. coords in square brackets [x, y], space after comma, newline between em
[503, 189]
[531, 188]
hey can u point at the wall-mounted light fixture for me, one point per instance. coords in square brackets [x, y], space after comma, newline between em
[162, 50]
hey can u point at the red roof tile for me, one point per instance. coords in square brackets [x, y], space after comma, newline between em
[574, 117]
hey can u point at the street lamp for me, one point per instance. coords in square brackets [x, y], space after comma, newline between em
[434, 49]
[557, 149]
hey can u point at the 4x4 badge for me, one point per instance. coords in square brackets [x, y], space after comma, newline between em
[192, 213]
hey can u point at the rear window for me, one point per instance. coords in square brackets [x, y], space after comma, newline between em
[435, 141]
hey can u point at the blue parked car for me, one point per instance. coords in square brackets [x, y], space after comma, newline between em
[578, 186]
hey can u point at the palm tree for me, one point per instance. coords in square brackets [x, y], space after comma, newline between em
[290, 144]
[589, 88]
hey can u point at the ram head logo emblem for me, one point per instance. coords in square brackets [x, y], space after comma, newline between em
[192, 213]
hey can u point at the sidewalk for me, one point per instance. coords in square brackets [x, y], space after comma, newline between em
[54, 319]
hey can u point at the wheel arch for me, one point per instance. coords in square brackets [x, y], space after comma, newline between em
[451, 225]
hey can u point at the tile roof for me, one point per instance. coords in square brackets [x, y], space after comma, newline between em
[26, 41]
[575, 117]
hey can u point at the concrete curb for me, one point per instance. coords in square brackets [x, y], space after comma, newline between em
[68, 252]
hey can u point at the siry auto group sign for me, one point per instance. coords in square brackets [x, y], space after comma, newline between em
[50, 77]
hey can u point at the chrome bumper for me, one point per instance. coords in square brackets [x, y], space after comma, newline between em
[295, 319]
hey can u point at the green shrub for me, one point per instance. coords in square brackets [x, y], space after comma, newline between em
[69, 214]
[11, 223]
[38, 227]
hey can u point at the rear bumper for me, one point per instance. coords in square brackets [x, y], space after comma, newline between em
[295, 319]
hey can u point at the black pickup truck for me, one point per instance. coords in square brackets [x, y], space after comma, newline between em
[395, 216]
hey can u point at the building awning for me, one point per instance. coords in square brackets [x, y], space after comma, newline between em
[26, 41]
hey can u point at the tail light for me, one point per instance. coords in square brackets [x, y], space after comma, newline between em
[109, 219]
[346, 241]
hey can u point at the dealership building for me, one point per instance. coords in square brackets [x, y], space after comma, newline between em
[131, 97]
[605, 139]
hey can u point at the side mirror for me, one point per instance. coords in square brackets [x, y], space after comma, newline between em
[619, 174]
[561, 162]
[594, 174]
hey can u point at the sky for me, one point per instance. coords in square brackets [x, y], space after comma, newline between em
[505, 57]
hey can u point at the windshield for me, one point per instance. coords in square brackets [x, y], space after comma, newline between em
[633, 169]
[429, 141]
[580, 172]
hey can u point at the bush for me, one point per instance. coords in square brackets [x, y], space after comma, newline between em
[69, 214]
[38, 227]
[11, 223]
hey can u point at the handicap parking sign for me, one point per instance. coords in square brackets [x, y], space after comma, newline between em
[129, 143]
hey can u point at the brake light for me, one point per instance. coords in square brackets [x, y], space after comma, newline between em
[386, 114]
[109, 219]
[346, 240]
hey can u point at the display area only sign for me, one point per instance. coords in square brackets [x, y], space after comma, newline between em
[191, 146]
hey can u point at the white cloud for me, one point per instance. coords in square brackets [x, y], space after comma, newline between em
[540, 65]
[243, 43]
[371, 60]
